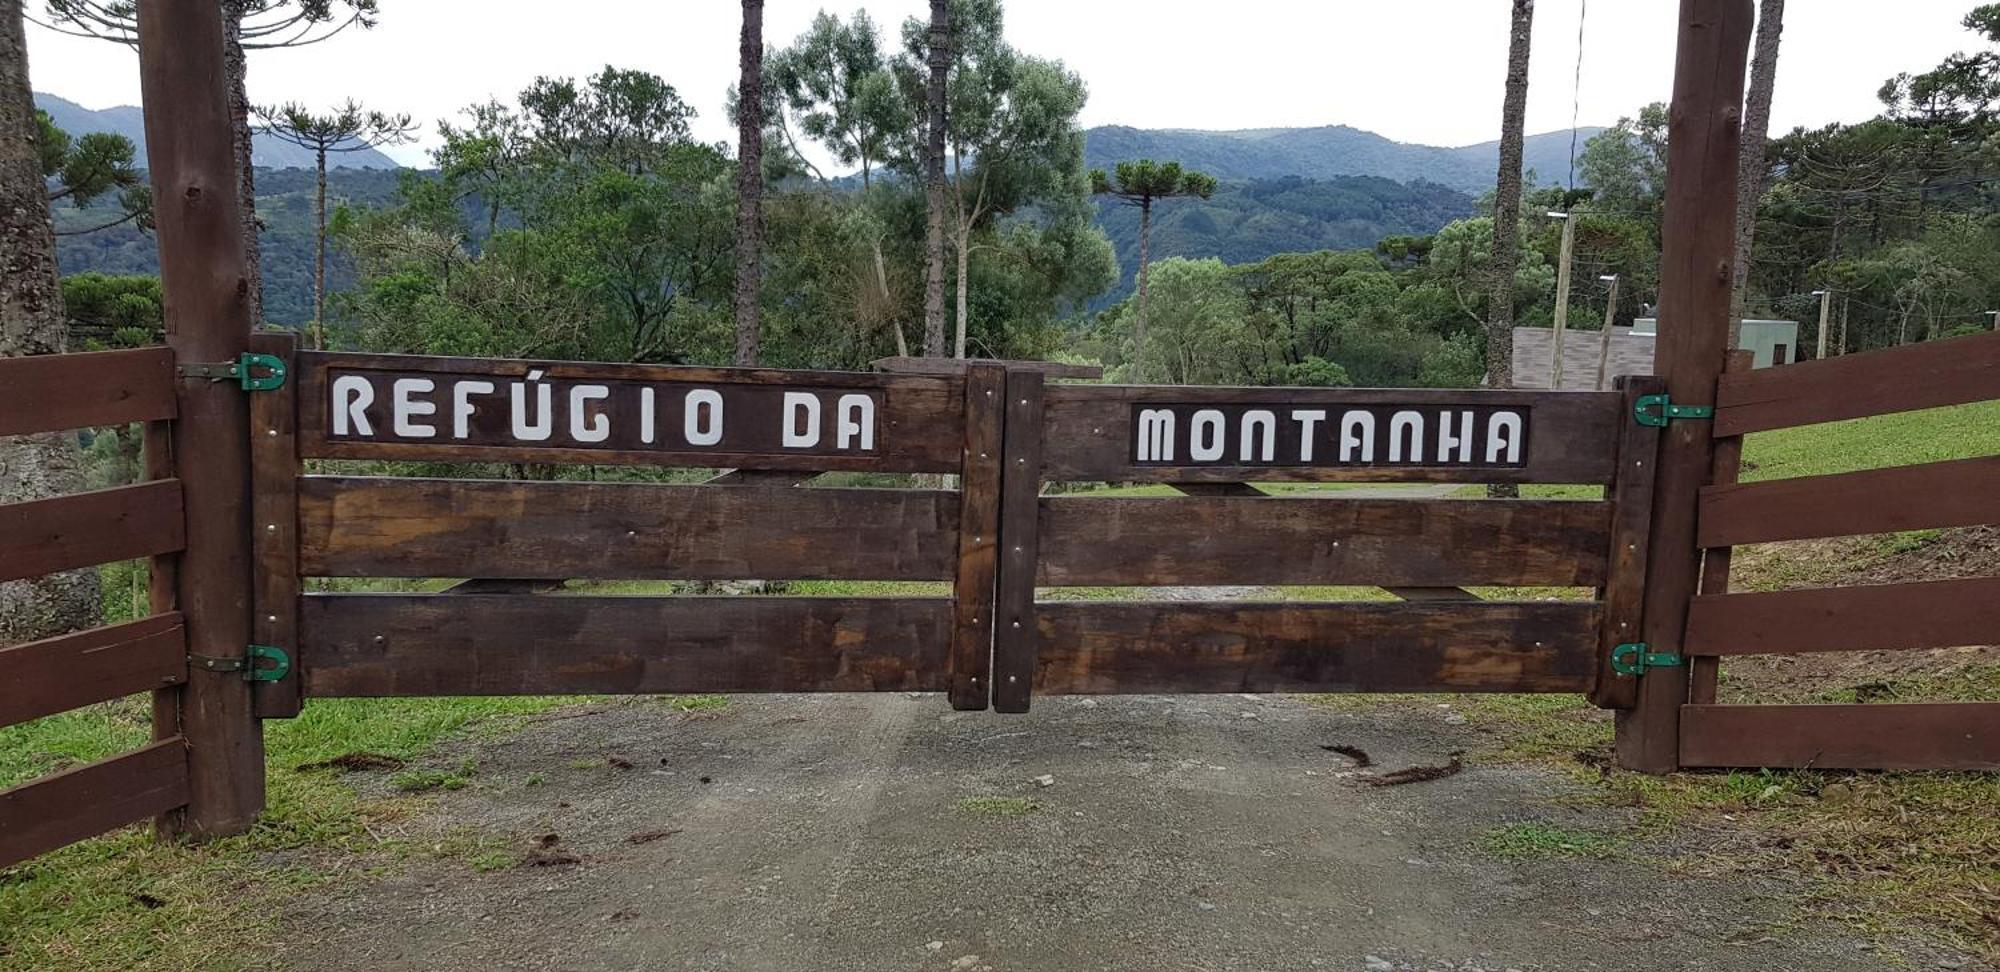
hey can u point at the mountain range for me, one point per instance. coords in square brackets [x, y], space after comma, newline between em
[265, 151]
[1326, 152]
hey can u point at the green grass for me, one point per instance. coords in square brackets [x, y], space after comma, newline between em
[1542, 841]
[1931, 435]
[998, 806]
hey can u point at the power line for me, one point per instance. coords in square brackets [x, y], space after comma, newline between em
[1576, 90]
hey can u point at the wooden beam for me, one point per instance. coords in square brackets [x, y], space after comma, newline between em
[377, 645]
[1014, 640]
[42, 815]
[973, 588]
[205, 277]
[274, 527]
[86, 529]
[74, 670]
[54, 392]
[1961, 492]
[1901, 736]
[1927, 614]
[1119, 541]
[959, 366]
[1093, 647]
[1705, 671]
[1624, 589]
[1698, 243]
[1932, 374]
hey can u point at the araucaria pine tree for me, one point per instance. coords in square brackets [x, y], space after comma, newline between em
[1141, 184]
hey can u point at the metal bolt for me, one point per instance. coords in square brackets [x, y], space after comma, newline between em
[631, 533]
[1011, 680]
[270, 528]
[989, 393]
[1632, 546]
[379, 639]
[271, 618]
[1638, 462]
[1016, 624]
[272, 433]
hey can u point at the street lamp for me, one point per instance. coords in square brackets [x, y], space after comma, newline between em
[1825, 300]
[1604, 339]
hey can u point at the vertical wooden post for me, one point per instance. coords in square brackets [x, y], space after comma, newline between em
[205, 282]
[1706, 670]
[1015, 639]
[978, 537]
[274, 529]
[1631, 495]
[1697, 253]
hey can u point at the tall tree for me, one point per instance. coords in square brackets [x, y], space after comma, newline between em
[32, 322]
[248, 25]
[348, 128]
[1141, 184]
[938, 60]
[82, 169]
[1753, 169]
[834, 78]
[1507, 202]
[749, 180]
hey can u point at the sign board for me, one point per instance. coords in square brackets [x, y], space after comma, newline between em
[1307, 434]
[391, 406]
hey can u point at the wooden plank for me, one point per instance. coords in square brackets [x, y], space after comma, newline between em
[1624, 590]
[86, 529]
[40, 816]
[1928, 614]
[74, 670]
[1114, 541]
[1093, 433]
[426, 644]
[1432, 594]
[205, 276]
[1014, 640]
[958, 366]
[978, 539]
[1901, 736]
[1961, 492]
[1208, 646]
[599, 413]
[377, 527]
[274, 528]
[1698, 241]
[764, 477]
[1705, 671]
[1932, 374]
[1220, 489]
[54, 392]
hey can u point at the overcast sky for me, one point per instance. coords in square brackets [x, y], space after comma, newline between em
[1426, 71]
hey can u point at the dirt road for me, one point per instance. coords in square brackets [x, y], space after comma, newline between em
[1167, 834]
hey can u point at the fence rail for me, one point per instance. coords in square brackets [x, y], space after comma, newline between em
[54, 392]
[1957, 493]
[70, 671]
[40, 816]
[1893, 736]
[86, 529]
[1916, 376]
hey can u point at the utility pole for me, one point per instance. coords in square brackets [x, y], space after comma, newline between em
[1825, 302]
[1610, 315]
[1562, 295]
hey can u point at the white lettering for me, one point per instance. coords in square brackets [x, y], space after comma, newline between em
[1307, 418]
[1247, 432]
[544, 425]
[702, 431]
[801, 405]
[648, 421]
[1357, 437]
[402, 408]
[1503, 437]
[1413, 424]
[352, 394]
[1206, 430]
[583, 426]
[461, 405]
[1156, 435]
[855, 416]
[1460, 443]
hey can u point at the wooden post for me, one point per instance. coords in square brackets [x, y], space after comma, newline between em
[978, 538]
[1697, 251]
[1015, 640]
[1562, 298]
[1706, 670]
[205, 281]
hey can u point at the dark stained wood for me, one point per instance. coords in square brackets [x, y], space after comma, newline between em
[42, 815]
[978, 539]
[1928, 614]
[374, 527]
[274, 528]
[499, 644]
[1014, 639]
[1220, 489]
[162, 580]
[1572, 437]
[1698, 244]
[1207, 646]
[205, 279]
[959, 366]
[1927, 375]
[1705, 671]
[86, 529]
[1116, 541]
[1624, 590]
[917, 423]
[74, 670]
[1962, 492]
[53, 392]
[504, 585]
[1902, 736]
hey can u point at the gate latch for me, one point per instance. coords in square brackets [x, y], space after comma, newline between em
[1658, 410]
[252, 664]
[255, 372]
[1636, 658]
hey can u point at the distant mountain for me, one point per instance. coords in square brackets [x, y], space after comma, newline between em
[1327, 152]
[265, 151]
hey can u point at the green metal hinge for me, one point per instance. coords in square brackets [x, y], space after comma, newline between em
[1635, 659]
[1658, 410]
[244, 371]
[251, 664]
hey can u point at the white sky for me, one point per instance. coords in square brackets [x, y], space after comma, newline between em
[1427, 71]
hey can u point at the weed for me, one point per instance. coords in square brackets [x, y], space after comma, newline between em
[998, 806]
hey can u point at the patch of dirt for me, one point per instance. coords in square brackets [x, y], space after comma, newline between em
[1850, 562]
[1208, 832]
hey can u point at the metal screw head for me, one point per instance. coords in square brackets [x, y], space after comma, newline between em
[270, 528]
[1011, 680]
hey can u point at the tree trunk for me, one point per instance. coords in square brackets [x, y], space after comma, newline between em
[319, 255]
[749, 182]
[1145, 276]
[940, 65]
[31, 322]
[964, 264]
[882, 283]
[1751, 167]
[1507, 214]
[234, 63]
